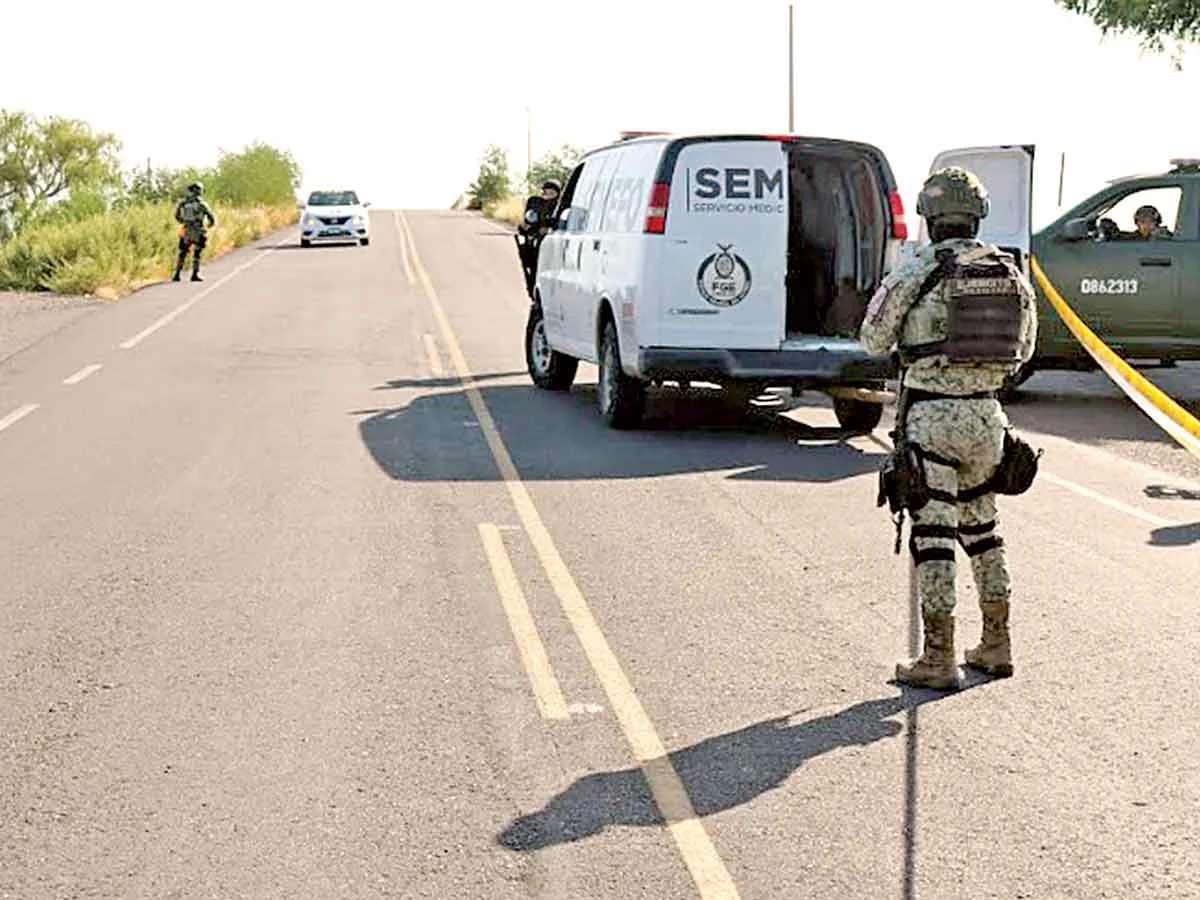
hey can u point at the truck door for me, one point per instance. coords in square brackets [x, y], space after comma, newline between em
[1126, 289]
[1007, 173]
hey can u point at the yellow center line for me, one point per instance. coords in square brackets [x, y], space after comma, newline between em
[435, 359]
[699, 854]
[404, 257]
[529, 643]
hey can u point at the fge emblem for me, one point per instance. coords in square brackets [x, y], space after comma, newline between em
[724, 277]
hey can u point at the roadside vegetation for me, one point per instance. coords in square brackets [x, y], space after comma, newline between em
[501, 196]
[72, 222]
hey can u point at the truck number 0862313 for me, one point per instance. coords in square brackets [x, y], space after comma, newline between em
[1108, 286]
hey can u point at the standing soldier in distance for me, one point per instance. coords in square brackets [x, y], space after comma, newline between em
[191, 212]
[964, 318]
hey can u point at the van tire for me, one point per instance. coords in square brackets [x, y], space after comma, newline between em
[857, 416]
[622, 399]
[549, 369]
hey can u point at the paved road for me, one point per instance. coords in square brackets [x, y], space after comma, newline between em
[308, 593]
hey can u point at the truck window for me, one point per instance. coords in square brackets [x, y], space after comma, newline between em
[1166, 200]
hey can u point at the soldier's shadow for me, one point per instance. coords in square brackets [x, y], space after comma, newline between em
[719, 773]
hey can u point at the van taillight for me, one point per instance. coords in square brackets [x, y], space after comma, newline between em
[656, 212]
[899, 226]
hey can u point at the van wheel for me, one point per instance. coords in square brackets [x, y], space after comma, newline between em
[857, 416]
[305, 242]
[622, 399]
[549, 369]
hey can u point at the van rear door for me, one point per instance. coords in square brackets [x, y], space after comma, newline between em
[720, 268]
[1007, 173]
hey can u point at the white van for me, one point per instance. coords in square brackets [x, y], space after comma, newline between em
[743, 260]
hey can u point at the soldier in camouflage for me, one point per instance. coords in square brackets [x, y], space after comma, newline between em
[964, 319]
[192, 212]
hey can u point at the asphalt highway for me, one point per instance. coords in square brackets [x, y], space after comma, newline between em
[307, 592]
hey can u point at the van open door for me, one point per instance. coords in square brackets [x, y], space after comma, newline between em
[1007, 173]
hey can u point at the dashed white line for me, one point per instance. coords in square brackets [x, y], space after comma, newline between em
[83, 373]
[1109, 501]
[17, 415]
[1078, 489]
[180, 310]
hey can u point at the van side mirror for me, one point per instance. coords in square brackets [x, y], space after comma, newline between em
[565, 218]
[365, 204]
[1075, 230]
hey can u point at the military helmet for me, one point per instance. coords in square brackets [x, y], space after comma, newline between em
[552, 184]
[1148, 212]
[953, 195]
[195, 188]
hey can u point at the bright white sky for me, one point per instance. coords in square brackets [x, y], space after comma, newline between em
[398, 100]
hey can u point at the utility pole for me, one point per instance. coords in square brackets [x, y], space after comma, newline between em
[1062, 169]
[791, 73]
[528, 145]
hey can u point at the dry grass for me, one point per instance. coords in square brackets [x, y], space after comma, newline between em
[115, 253]
[509, 210]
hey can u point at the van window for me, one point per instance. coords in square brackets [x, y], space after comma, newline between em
[592, 191]
[625, 209]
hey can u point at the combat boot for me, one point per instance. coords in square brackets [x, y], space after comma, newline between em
[175, 277]
[994, 653]
[935, 667]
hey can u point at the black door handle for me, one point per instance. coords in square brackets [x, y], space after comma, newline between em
[596, 244]
[1156, 261]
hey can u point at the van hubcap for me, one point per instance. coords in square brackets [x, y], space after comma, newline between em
[540, 348]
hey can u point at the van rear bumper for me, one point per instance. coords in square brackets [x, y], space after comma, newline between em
[808, 366]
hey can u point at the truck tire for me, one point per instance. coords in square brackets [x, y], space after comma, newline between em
[549, 369]
[622, 399]
[857, 416]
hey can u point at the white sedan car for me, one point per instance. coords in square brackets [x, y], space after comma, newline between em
[334, 216]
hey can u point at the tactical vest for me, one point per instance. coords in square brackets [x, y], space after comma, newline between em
[982, 298]
[191, 212]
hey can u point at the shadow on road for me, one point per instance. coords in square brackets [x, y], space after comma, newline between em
[1175, 535]
[719, 773]
[1168, 492]
[451, 381]
[555, 437]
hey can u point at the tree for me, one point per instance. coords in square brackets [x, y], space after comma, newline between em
[1152, 21]
[557, 165]
[260, 174]
[43, 160]
[493, 183]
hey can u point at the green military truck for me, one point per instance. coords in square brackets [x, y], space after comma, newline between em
[1138, 290]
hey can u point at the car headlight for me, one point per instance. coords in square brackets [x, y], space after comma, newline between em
[310, 219]
[360, 220]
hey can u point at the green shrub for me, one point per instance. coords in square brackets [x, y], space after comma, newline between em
[116, 252]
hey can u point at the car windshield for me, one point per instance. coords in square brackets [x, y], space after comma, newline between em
[333, 198]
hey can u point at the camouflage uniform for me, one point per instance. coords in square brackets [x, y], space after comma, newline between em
[192, 212]
[961, 443]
